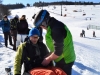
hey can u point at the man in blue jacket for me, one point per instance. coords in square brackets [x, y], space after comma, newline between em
[5, 24]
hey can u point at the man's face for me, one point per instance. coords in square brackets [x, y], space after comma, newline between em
[34, 39]
[5, 19]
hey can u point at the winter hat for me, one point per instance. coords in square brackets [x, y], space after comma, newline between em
[16, 16]
[34, 31]
[5, 16]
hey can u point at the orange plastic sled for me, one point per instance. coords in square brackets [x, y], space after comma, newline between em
[47, 71]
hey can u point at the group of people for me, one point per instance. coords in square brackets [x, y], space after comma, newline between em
[15, 29]
[82, 34]
[34, 53]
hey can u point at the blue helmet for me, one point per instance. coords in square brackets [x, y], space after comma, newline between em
[40, 17]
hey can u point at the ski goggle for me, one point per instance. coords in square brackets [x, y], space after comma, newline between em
[38, 23]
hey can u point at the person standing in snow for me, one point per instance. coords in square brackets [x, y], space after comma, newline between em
[13, 29]
[59, 41]
[5, 24]
[22, 30]
[94, 34]
[83, 33]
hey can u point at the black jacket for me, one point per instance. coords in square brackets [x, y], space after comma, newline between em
[22, 27]
[58, 34]
[14, 23]
[31, 55]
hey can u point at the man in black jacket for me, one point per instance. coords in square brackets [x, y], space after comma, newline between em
[13, 29]
[31, 53]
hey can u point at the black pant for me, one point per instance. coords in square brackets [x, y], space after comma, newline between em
[6, 36]
[14, 37]
[67, 68]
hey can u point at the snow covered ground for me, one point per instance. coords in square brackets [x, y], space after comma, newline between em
[87, 49]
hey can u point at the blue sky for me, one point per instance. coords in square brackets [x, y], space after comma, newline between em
[32, 1]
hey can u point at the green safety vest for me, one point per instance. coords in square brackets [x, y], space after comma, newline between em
[68, 49]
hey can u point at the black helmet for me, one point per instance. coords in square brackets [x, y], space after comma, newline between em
[40, 17]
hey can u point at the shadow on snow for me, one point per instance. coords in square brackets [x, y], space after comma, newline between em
[95, 38]
[86, 46]
[83, 67]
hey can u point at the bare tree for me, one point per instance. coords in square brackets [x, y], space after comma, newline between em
[3, 11]
[28, 5]
[0, 9]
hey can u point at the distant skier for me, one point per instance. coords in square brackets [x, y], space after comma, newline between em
[94, 34]
[83, 33]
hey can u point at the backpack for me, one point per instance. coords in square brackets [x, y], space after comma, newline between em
[13, 24]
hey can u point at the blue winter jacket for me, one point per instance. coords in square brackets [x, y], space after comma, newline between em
[5, 25]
